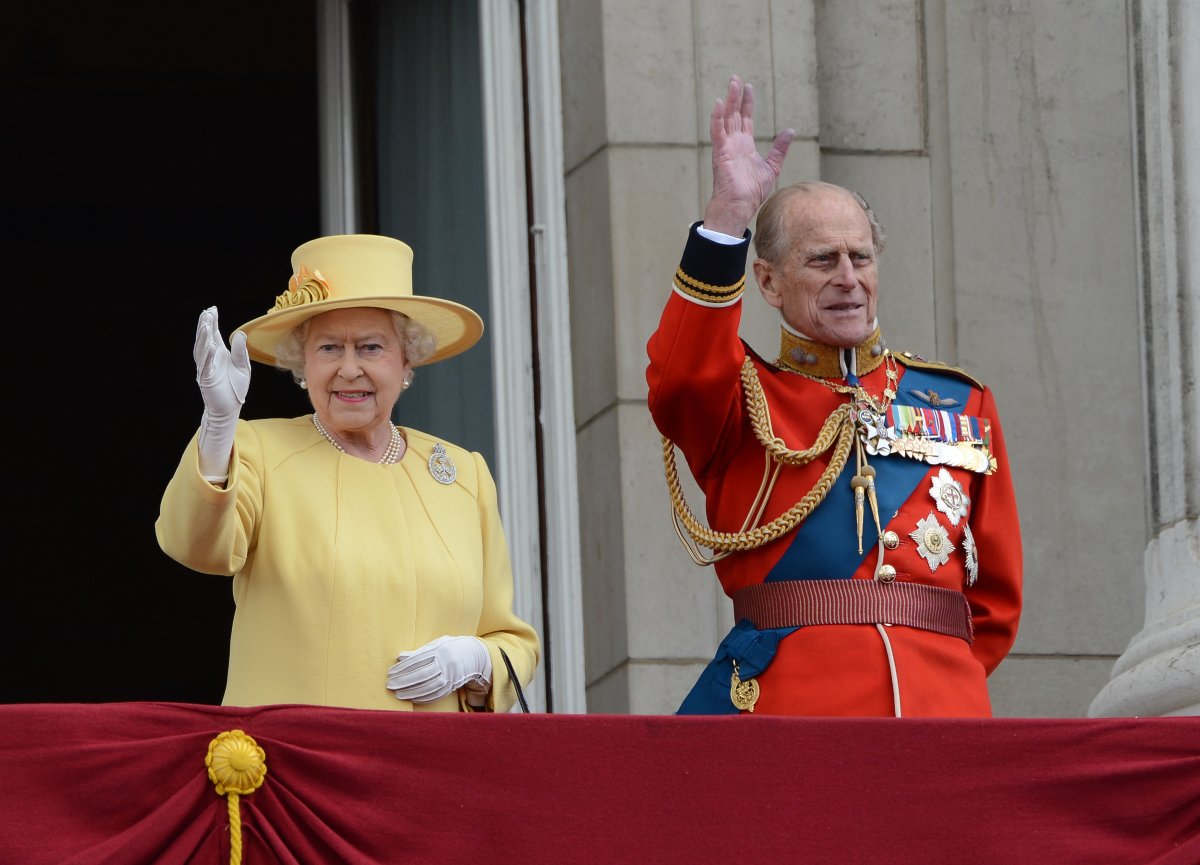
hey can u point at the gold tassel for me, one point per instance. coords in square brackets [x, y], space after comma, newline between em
[869, 472]
[859, 483]
[237, 767]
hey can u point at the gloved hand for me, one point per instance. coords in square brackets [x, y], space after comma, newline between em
[440, 667]
[224, 378]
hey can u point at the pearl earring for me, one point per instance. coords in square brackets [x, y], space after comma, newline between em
[303, 384]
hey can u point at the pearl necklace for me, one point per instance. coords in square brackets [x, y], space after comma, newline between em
[391, 455]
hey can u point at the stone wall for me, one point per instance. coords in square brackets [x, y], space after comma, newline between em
[994, 142]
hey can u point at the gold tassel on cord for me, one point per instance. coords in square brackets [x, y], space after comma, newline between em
[859, 483]
[869, 473]
[863, 484]
[237, 767]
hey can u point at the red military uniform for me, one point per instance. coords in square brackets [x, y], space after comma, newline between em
[946, 509]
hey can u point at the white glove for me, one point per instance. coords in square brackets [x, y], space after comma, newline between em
[224, 378]
[440, 667]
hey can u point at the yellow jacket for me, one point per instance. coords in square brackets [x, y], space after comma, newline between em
[339, 565]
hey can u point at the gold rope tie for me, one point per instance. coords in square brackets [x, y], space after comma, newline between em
[837, 432]
[891, 382]
[237, 767]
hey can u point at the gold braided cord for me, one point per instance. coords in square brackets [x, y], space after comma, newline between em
[235, 829]
[838, 423]
[837, 431]
[706, 291]
[770, 473]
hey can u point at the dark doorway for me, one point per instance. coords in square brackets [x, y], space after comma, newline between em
[158, 158]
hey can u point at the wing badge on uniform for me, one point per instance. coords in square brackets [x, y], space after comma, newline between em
[931, 397]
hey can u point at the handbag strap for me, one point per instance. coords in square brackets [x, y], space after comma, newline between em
[512, 675]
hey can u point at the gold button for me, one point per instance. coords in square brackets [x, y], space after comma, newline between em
[891, 540]
[885, 574]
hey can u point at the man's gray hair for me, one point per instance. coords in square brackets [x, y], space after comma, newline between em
[771, 240]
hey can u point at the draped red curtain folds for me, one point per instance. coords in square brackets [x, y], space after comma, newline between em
[126, 784]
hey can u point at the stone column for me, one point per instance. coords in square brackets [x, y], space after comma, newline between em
[1159, 673]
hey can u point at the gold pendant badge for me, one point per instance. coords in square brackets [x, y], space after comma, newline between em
[743, 695]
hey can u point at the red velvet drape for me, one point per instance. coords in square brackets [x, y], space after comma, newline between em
[125, 783]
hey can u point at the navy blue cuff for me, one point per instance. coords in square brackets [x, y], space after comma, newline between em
[712, 272]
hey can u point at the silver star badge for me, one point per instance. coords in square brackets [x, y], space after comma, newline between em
[933, 541]
[972, 554]
[949, 495]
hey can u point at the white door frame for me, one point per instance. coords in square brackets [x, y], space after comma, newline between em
[557, 612]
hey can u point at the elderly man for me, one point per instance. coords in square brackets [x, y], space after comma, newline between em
[859, 506]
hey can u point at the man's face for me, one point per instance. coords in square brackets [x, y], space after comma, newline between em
[828, 283]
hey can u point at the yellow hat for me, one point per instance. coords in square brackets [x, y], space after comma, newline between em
[351, 270]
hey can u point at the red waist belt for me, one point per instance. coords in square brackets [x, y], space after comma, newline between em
[799, 603]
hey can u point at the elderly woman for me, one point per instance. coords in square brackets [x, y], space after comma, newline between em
[370, 567]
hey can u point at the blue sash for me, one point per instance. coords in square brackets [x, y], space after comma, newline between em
[753, 649]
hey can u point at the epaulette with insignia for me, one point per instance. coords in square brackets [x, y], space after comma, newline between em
[907, 358]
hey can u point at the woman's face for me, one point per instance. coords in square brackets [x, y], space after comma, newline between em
[355, 367]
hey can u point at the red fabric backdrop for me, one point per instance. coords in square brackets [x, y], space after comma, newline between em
[120, 783]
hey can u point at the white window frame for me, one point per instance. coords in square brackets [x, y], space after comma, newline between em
[558, 613]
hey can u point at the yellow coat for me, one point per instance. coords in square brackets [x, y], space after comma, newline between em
[339, 565]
